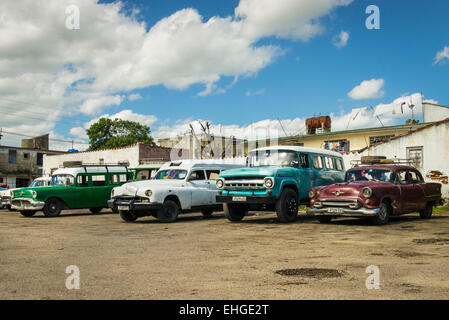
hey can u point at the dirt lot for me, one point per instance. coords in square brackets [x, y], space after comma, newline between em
[211, 258]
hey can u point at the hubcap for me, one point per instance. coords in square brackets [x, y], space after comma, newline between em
[383, 213]
[291, 206]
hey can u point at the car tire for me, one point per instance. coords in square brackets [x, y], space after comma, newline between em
[28, 213]
[426, 213]
[234, 212]
[207, 213]
[53, 207]
[324, 219]
[384, 214]
[287, 206]
[95, 210]
[127, 216]
[169, 211]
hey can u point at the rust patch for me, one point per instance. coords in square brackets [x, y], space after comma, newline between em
[438, 176]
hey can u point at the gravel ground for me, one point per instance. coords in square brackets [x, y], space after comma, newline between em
[212, 258]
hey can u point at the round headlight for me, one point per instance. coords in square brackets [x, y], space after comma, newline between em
[112, 193]
[312, 193]
[34, 193]
[148, 193]
[268, 183]
[367, 192]
[219, 183]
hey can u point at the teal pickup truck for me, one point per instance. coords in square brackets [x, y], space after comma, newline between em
[277, 178]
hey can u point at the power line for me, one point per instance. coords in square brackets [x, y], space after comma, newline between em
[52, 139]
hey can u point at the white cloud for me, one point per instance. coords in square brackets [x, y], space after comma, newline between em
[290, 19]
[134, 97]
[341, 39]
[67, 72]
[389, 114]
[94, 105]
[368, 89]
[250, 93]
[441, 56]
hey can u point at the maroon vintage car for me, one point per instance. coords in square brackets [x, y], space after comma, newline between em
[376, 191]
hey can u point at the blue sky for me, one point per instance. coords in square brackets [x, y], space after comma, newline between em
[304, 78]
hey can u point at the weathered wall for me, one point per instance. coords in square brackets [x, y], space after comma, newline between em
[131, 154]
[435, 143]
[127, 154]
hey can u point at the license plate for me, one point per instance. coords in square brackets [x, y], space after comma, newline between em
[335, 210]
[123, 208]
[238, 198]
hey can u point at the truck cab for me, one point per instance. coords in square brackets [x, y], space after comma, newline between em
[277, 178]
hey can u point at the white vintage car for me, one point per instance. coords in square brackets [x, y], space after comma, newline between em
[6, 195]
[183, 186]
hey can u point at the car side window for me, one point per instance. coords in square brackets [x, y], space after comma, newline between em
[304, 160]
[339, 164]
[98, 180]
[212, 174]
[317, 162]
[197, 175]
[82, 180]
[415, 177]
[329, 163]
[403, 177]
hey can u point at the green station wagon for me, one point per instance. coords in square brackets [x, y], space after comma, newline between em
[80, 187]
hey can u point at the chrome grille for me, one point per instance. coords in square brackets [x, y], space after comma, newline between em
[244, 184]
[353, 204]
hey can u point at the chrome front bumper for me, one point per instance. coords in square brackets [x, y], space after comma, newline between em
[23, 204]
[344, 212]
[5, 201]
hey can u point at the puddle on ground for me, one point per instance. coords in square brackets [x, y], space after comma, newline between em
[430, 241]
[404, 254]
[317, 273]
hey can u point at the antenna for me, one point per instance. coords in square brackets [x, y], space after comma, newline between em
[282, 127]
[411, 106]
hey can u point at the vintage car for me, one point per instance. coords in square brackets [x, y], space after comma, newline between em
[180, 186]
[6, 194]
[277, 178]
[376, 191]
[77, 187]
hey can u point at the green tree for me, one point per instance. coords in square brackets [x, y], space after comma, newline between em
[107, 133]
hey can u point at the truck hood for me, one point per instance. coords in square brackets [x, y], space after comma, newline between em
[255, 172]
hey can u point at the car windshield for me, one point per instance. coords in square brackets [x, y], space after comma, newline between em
[36, 183]
[273, 158]
[361, 174]
[171, 174]
[62, 180]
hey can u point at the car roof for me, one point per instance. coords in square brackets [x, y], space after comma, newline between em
[383, 166]
[300, 149]
[206, 164]
[100, 169]
[43, 179]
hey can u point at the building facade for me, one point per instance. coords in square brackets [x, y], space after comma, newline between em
[20, 166]
[131, 155]
[426, 148]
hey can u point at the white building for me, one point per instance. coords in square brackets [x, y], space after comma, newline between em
[427, 147]
[132, 155]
